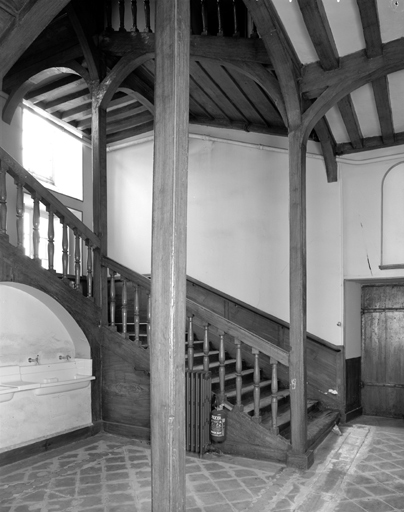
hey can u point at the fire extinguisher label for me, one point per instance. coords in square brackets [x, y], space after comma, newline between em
[217, 425]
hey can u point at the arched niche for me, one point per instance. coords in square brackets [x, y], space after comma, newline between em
[392, 236]
[32, 323]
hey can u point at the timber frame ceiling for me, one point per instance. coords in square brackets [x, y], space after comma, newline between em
[346, 56]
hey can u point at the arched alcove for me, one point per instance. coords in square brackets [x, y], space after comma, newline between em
[32, 323]
[392, 236]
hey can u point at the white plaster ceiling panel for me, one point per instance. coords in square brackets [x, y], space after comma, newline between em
[337, 125]
[365, 107]
[292, 19]
[391, 18]
[396, 87]
[345, 22]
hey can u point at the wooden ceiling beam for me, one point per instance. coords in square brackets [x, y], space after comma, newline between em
[353, 67]
[351, 122]
[280, 131]
[130, 132]
[84, 111]
[27, 25]
[68, 101]
[61, 84]
[383, 105]
[129, 122]
[370, 143]
[118, 113]
[371, 27]
[213, 47]
[319, 29]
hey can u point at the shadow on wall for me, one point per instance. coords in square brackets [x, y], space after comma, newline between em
[34, 325]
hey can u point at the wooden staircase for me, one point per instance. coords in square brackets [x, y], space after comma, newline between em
[249, 372]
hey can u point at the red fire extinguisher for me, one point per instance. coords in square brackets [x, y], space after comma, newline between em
[218, 424]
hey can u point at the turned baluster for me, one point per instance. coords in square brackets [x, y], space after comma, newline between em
[236, 32]
[89, 269]
[134, 16]
[108, 9]
[206, 348]
[77, 259]
[190, 350]
[239, 381]
[254, 33]
[51, 240]
[35, 229]
[219, 20]
[274, 398]
[222, 369]
[257, 389]
[147, 15]
[3, 200]
[65, 251]
[148, 318]
[137, 315]
[20, 216]
[112, 299]
[124, 308]
[204, 21]
[121, 16]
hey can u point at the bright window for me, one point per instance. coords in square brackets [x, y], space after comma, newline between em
[53, 156]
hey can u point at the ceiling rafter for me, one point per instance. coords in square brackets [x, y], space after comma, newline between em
[351, 122]
[319, 29]
[370, 143]
[374, 48]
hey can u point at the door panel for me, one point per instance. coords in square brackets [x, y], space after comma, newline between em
[383, 350]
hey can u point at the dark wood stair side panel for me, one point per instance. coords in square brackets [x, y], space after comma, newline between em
[246, 438]
[17, 268]
[320, 426]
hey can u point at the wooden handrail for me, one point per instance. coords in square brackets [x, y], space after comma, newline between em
[250, 339]
[33, 186]
[126, 273]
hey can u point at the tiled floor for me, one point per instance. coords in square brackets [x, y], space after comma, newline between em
[361, 470]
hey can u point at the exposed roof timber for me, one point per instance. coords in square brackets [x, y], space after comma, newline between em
[382, 98]
[281, 53]
[68, 101]
[371, 27]
[30, 22]
[90, 51]
[130, 109]
[328, 147]
[318, 27]
[54, 58]
[213, 47]
[142, 92]
[130, 132]
[370, 143]
[237, 125]
[354, 66]
[129, 122]
[43, 91]
[351, 122]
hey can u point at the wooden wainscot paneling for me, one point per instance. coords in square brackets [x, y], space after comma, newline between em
[126, 391]
[353, 406]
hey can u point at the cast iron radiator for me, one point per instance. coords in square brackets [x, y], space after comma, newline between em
[198, 396]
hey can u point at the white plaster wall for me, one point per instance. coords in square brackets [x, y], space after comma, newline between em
[238, 227]
[361, 192]
[352, 319]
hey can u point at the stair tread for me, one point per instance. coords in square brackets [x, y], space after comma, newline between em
[215, 364]
[265, 401]
[200, 354]
[230, 376]
[247, 389]
[284, 416]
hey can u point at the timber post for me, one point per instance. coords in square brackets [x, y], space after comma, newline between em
[169, 225]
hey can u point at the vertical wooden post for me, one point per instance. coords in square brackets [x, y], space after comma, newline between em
[99, 145]
[3, 200]
[20, 216]
[168, 312]
[51, 240]
[297, 285]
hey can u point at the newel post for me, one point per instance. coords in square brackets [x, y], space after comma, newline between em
[297, 286]
[99, 145]
[168, 292]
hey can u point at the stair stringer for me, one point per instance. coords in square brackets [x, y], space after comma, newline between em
[18, 268]
[246, 438]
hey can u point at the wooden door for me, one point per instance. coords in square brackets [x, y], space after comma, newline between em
[383, 350]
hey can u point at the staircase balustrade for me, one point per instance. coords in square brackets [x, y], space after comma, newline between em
[229, 18]
[72, 227]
